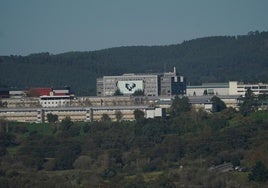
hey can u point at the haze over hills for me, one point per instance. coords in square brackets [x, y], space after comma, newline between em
[210, 59]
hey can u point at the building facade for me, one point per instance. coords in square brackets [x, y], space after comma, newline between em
[223, 89]
[240, 88]
[86, 114]
[129, 83]
[164, 84]
[208, 89]
[172, 84]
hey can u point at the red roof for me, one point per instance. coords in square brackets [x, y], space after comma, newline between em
[40, 91]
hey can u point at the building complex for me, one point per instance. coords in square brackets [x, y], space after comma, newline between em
[157, 89]
[162, 84]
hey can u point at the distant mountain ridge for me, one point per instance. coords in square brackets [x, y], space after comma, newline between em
[209, 59]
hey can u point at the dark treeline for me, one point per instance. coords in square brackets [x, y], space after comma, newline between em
[210, 59]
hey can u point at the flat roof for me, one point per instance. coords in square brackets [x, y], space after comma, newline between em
[208, 85]
[76, 108]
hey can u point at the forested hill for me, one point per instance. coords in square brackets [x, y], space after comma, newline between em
[210, 59]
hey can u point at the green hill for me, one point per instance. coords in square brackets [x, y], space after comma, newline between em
[210, 59]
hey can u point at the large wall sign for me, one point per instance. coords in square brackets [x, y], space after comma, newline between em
[129, 87]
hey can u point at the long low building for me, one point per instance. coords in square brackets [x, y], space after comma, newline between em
[87, 114]
[208, 89]
[240, 88]
[225, 89]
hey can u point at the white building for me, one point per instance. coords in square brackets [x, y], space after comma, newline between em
[223, 89]
[129, 83]
[87, 114]
[239, 88]
[55, 101]
[208, 89]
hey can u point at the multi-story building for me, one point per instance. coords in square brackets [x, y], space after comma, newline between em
[240, 88]
[57, 98]
[208, 89]
[223, 89]
[172, 84]
[166, 84]
[87, 114]
[129, 83]
[55, 101]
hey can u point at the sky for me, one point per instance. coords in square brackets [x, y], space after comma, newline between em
[58, 26]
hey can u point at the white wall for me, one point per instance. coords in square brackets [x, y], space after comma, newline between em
[200, 91]
[233, 88]
[55, 103]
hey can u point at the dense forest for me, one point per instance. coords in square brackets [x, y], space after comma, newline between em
[180, 151]
[210, 59]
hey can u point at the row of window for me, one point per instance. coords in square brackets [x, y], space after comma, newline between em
[55, 98]
[56, 102]
[252, 87]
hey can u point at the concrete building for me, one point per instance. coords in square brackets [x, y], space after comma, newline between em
[55, 101]
[86, 114]
[166, 84]
[172, 84]
[129, 83]
[240, 88]
[208, 89]
[224, 89]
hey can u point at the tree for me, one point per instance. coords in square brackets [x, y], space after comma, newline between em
[118, 115]
[118, 93]
[52, 118]
[110, 61]
[66, 123]
[3, 104]
[217, 104]
[105, 118]
[139, 115]
[249, 103]
[138, 92]
[258, 173]
[66, 156]
[87, 102]
[262, 99]
[180, 105]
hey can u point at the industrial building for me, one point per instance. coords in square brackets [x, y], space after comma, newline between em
[164, 84]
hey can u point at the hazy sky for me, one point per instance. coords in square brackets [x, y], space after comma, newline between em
[56, 26]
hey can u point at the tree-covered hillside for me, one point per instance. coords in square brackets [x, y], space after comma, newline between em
[210, 59]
